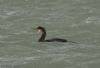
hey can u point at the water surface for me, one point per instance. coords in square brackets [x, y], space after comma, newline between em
[74, 20]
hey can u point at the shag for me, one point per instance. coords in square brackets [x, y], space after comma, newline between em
[42, 30]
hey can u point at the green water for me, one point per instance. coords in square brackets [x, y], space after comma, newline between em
[75, 20]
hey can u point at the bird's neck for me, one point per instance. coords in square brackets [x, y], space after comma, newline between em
[42, 38]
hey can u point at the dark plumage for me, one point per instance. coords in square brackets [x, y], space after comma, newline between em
[42, 38]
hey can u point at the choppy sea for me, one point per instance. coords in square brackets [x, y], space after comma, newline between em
[75, 20]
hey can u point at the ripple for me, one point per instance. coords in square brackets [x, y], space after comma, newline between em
[4, 37]
[6, 14]
[17, 60]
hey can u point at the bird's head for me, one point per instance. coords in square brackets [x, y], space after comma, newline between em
[40, 29]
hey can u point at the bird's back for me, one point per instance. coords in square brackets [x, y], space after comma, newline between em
[56, 40]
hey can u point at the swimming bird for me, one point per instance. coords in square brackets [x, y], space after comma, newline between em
[42, 30]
